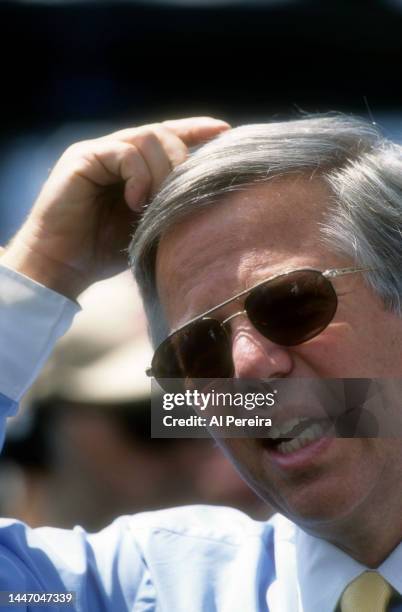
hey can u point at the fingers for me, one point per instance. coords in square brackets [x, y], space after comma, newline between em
[161, 151]
[137, 174]
[156, 153]
[192, 131]
[140, 157]
[143, 166]
[163, 146]
[195, 130]
[174, 147]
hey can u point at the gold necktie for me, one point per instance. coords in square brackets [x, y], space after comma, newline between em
[367, 593]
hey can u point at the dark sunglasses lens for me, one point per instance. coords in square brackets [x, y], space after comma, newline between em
[293, 307]
[201, 350]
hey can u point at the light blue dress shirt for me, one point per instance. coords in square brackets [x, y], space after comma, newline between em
[190, 559]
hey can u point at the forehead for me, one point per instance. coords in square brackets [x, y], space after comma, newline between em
[245, 237]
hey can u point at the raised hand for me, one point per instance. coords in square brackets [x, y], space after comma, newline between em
[80, 226]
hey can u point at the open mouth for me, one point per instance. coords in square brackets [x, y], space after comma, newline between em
[296, 433]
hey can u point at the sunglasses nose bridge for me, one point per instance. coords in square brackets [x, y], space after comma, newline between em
[236, 314]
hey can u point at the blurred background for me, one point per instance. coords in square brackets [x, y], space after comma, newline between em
[80, 450]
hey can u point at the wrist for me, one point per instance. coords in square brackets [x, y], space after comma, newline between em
[51, 274]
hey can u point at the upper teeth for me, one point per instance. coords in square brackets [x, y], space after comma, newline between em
[313, 432]
[280, 431]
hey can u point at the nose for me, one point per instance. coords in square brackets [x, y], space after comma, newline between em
[255, 356]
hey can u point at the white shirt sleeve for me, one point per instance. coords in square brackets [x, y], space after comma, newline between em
[32, 318]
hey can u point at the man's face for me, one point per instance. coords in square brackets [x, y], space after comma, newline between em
[248, 237]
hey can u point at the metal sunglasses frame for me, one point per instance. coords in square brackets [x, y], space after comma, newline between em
[329, 274]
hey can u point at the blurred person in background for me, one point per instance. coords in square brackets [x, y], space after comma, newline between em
[80, 452]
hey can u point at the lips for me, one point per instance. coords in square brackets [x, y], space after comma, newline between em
[300, 460]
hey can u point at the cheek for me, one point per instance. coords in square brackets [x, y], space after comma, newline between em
[337, 353]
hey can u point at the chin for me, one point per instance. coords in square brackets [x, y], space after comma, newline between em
[319, 499]
[334, 486]
[325, 503]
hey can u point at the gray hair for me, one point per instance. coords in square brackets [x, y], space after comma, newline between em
[362, 168]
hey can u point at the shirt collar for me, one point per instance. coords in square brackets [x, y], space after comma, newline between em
[283, 593]
[324, 571]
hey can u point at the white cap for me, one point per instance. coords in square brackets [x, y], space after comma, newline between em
[103, 357]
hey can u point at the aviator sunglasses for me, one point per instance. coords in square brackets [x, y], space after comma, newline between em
[287, 309]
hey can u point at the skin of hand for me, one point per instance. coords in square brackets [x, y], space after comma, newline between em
[81, 224]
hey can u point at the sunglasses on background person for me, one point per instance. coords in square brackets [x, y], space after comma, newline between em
[287, 309]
